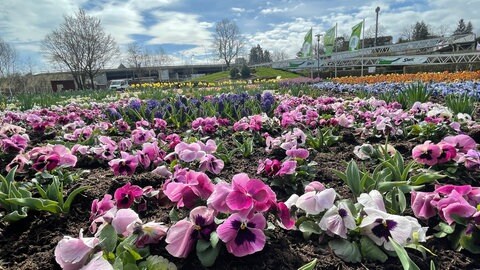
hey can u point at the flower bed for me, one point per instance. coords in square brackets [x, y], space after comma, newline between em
[239, 181]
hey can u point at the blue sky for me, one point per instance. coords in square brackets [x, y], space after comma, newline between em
[184, 28]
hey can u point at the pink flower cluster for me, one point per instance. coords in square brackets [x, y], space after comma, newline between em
[251, 123]
[460, 148]
[448, 201]
[208, 125]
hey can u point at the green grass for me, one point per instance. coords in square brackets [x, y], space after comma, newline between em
[257, 73]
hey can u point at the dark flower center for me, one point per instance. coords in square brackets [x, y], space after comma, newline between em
[426, 155]
[342, 212]
[383, 228]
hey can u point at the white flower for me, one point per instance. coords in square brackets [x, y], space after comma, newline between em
[379, 226]
[372, 200]
[337, 220]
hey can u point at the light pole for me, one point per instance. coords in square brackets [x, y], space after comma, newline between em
[318, 53]
[377, 10]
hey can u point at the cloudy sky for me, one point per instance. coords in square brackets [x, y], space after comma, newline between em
[184, 28]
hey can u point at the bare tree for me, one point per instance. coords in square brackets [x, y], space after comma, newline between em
[81, 45]
[370, 32]
[279, 55]
[8, 57]
[227, 40]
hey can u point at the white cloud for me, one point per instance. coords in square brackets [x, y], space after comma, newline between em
[237, 9]
[179, 28]
[273, 10]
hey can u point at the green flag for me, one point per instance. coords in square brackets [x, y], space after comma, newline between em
[354, 42]
[329, 40]
[306, 50]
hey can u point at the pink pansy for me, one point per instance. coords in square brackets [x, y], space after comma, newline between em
[73, 253]
[159, 124]
[240, 126]
[248, 194]
[337, 220]
[15, 144]
[99, 208]
[122, 125]
[81, 149]
[313, 203]
[127, 195]
[20, 160]
[256, 122]
[218, 199]
[123, 219]
[287, 221]
[173, 140]
[187, 192]
[270, 167]
[162, 171]
[66, 157]
[211, 164]
[242, 235]
[298, 153]
[426, 153]
[189, 152]
[150, 233]
[454, 204]
[98, 262]
[46, 162]
[314, 186]
[142, 123]
[182, 235]
[287, 167]
[373, 199]
[421, 204]
[125, 145]
[448, 152]
[141, 136]
[462, 142]
[209, 147]
[471, 160]
[125, 165]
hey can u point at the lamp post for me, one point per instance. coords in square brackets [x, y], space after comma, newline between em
[318, 53]
[377, 10]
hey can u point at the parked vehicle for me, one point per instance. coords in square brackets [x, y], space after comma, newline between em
[120, 85]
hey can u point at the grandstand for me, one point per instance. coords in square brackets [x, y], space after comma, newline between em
[458, 49]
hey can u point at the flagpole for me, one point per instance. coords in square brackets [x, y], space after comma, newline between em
[335, 44]
[363, 41]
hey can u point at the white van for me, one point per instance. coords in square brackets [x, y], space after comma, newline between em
[120, 85]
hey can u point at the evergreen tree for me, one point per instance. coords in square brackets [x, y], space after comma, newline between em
[420, 31]
[266, 57]
[469, 28]
[461, 28]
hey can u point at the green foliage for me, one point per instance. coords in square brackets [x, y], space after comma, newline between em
[309, 266]
[245, 72]
[234, 73]
[412, 93]
[321, 139]
[428, 131]
[461, 104]
[346, 250]
[392, 177]
[245, 146]
[207, 251]
[402, 254]
[16, 199]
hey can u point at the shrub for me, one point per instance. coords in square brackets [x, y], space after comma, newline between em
[245, 71]
[234, 73]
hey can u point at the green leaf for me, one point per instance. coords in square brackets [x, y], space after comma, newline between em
[108, 238]
[353, 177]
[346, 250]
[402, 254]
[214, 239]
[173, 215]
[206, 253]
[309, 266]
[310, 226]
[371, 251]
[16, 215]
[471, 242]
[37, 204]
[71, 196]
